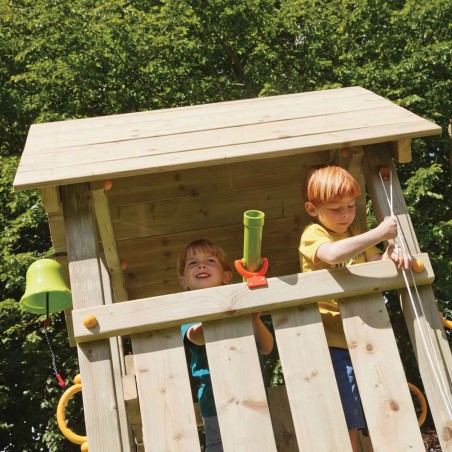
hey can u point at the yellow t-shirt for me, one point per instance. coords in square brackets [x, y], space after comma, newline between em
[312, 237]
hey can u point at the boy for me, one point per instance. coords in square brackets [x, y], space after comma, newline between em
[334, 240]
[203, 264]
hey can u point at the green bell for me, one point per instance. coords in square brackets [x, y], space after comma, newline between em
[46, 290]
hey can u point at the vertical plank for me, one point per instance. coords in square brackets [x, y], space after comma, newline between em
[422, 319]
[310, 381]
[386, 399]
[166, 405]
[117, 359]
[238, 387]
[99, 396]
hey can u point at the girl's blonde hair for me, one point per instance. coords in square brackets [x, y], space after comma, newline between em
[205, 246]
[329, 183]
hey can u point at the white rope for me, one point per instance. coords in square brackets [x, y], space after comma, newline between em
[435, 367]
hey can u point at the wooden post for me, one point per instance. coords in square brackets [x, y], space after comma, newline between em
[99, 396]
[118, 366]
[422, 318]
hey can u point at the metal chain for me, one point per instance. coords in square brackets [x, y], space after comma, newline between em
[51, 351]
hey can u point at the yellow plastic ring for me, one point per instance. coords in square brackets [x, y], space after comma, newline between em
[61, 419]
[446, 323]
[422, 403]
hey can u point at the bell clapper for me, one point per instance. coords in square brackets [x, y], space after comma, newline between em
[46, 324]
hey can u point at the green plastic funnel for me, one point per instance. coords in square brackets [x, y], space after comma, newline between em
[253, 221]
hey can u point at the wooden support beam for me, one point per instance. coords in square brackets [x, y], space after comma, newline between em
[435, 361]
[236, 299]
[99, 396]
[133, 407]
[401, 150]
[118, 366]
[105, 226]
[378, 156]
[51, 200]
[421, 316]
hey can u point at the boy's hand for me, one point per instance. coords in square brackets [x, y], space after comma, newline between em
[399, 256]
[387, 229]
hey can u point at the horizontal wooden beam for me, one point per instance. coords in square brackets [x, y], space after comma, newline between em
[237, 299]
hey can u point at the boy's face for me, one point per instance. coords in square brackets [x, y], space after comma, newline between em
[203, 270]
[335, 215]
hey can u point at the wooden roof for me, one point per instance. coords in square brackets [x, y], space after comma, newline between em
[110, 147]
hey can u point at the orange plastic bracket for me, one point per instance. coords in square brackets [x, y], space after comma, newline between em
[385, 172]
[253, 279]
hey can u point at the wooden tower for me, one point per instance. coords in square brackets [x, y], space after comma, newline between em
[125, 193]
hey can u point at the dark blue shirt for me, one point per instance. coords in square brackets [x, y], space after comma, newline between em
[200, 370]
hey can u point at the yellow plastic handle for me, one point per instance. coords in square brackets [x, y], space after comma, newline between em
[422, 402]
[61, 419]
[446, 323]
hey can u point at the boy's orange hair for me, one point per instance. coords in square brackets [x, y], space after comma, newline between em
[329, 183]
[205, 246]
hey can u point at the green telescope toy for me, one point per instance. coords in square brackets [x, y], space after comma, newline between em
[253, 221]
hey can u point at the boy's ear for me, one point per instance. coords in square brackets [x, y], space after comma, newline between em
[227, 276]
[310, 208]
[182, 283]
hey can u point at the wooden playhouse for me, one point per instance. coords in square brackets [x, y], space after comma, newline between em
[125, 193]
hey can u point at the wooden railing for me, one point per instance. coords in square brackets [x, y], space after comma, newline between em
[166, 406]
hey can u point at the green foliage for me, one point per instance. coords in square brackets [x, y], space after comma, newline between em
[61, 60]
[426, 198]
[29, 392]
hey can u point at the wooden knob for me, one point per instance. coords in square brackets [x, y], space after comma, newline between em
[417, 266]
[123, 264]
[343, 153]
[385, 172]
[90, 321]
[107, 184]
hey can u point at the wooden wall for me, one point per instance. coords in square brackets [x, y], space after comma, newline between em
[155, 217]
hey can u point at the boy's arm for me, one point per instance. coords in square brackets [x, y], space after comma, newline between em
[336, 252]
[264, 339]
[195, 334]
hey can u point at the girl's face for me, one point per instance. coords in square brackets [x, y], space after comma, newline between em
[203, 270]
[336, 215]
